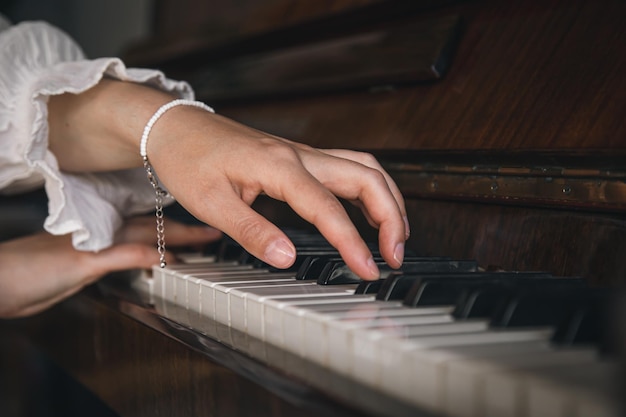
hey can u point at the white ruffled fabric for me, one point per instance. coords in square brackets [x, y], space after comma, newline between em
[37, 61]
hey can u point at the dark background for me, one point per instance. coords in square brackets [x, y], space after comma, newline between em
[102, 28]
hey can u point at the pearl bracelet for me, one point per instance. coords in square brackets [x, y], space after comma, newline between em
[160, 112]
[160, 192]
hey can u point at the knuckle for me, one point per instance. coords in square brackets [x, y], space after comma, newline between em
[330, 208]
[368, 159]
[280, 150]
[374, 176]
[248, 229]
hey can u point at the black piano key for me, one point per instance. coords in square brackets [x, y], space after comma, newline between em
[338, 273]
[228, 250]
[301, 258]
[396, 287]
[585, 325]
[407, 286]
[369, 287]
[312, 266]
[484, 301]
[317, 266]
[432, 291]
[542, 307]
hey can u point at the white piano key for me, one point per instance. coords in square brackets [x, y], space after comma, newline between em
[207, 323]
[468, 392]
[195, 258]
[380, 344]
[194, 302]
[370, 345]
[173, 276]
[574, 390]
[143, 283]
[159, 275]
[230, 299]
[419, 376]
[202, 266]
[209, 284]
[256, 299]
[329, 334]
[277, 333]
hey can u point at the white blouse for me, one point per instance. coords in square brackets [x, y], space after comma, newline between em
[37, 61]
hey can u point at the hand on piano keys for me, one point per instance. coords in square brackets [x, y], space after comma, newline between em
[40, 270]
[218, 180]
[439, 335]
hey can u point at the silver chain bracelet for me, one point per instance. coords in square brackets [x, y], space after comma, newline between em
[160, 192]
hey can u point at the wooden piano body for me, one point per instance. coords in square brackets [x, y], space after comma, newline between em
[502, 122]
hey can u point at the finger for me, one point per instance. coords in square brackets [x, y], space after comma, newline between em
[371, 162]
[357, 182]
[255, 233]
[122, 257]
[316, 204]
[143, 230]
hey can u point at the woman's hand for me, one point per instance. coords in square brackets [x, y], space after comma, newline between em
[40, 270]
[216, 167]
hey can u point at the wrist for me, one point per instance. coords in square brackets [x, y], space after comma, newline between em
[100, 129]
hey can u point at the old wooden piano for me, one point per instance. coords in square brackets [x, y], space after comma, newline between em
[504, 124]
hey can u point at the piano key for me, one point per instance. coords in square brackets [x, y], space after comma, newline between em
[328, 335]
[466, 393]
[399, 287]
[302, 257]
[485, 300]
[209, 283]
[337, 272]
[544, 306]
[196, 258]
[420, 376]
[198, 304]
[587, 325]
[369, 287]
[368, 346]
[339, 329]
[249, 303]
[164, 287]
[317, 266]
[582, 390]
[437, 290]
[312, 266]
[282, 331]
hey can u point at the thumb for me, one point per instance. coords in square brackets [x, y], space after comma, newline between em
[125, 256]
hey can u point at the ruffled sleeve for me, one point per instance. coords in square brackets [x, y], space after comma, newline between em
[36, 62]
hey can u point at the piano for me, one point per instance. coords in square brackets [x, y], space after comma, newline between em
[502, 123]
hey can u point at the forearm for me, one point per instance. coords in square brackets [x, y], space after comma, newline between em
[100, 129]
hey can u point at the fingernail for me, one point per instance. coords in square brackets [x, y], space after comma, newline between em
[373, 268]
[398, 253]
[407, 228]
[280, 254]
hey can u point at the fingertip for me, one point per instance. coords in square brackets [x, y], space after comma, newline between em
[280, 253]
[407, 227]
[373, 273]
[398, 254]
